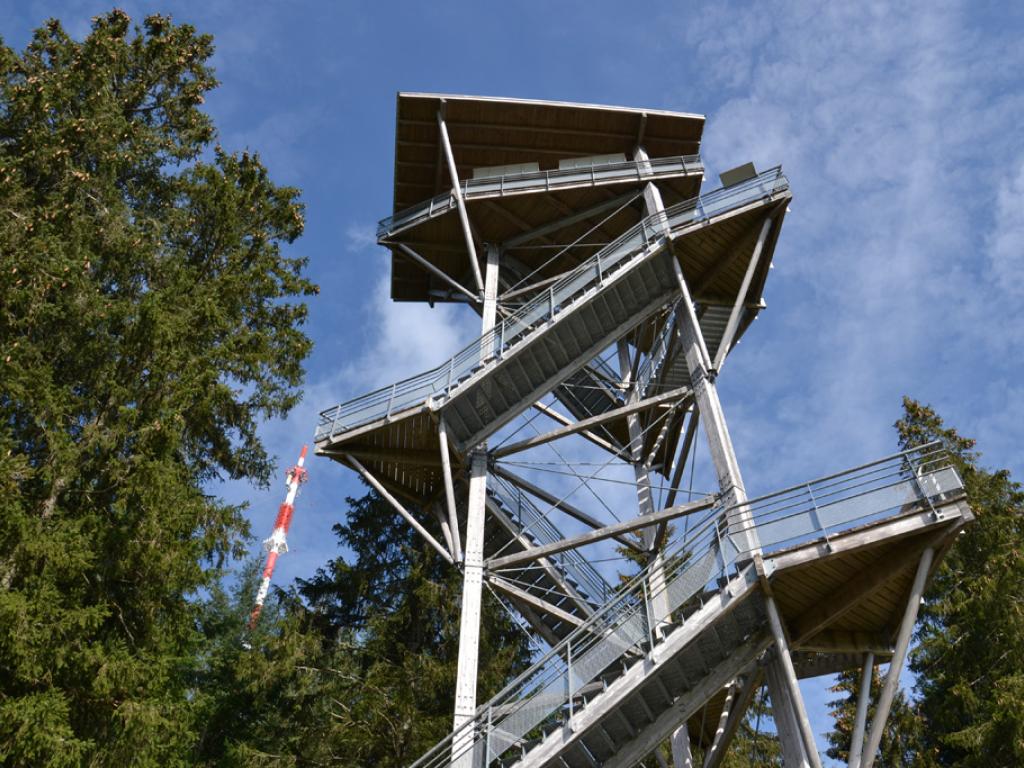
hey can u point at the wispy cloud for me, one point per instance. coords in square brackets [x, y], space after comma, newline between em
[891, 123]
[360, 237]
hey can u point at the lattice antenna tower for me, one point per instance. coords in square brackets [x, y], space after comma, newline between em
[611, 291]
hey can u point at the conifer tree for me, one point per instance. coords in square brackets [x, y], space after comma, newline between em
[395, 603]
[149, 321]
[969, 658]
[901, 745]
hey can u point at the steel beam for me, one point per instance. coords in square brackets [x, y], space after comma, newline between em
[457, 191]
[861, 718]
[734, 316]
[892, 678]
[593, 421]
[606, 532]
[384, 492]
[561, 505]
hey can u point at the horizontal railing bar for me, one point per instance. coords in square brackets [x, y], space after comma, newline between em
[494, 185]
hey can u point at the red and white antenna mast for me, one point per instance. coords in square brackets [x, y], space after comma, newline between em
[278, 541]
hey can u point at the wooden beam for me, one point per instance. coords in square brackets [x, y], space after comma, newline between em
[593, 421]
[566, 221]
[847, 641]
[723, 737]
[861, 717]
[607, 532]
[408, 456]
[784, 662]
[833, 606]
[734, 316]
[551, 413]
[892, 678]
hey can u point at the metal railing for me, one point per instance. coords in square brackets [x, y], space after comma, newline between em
[695, 568]
[439, 383]
[536, 525]
[536, 181]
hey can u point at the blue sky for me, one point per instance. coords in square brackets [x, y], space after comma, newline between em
[900, 268]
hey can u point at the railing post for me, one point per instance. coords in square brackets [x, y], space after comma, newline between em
[647, 613]
[568, 680]
[451, 374]
[501, 338]
[817, 517]
[551, 303]
[920, 488]
[600, 271]
[391, 400]
[487, 738]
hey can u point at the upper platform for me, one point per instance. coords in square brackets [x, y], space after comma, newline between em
[522, 166]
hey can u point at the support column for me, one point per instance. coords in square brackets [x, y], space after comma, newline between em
[472, 585]
[459, 201]
[860, 720]
[787, 702]
[660, 606]
[899, 656]
[681, 755]
[730, 481]
[793, 753]
[473, 554]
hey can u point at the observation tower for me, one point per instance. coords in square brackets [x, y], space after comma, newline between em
[610, 290]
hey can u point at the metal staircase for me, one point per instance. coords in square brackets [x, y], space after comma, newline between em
[620, 683]
[564, 580]
[554, 335]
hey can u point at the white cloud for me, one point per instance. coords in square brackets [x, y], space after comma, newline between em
[890, 122]
[359, 237]
[1006, 240]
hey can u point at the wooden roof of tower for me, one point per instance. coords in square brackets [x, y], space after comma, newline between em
[486, 132]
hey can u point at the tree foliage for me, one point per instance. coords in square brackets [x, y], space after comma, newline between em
[356, 668]
[969, 658]
[902, 738]
[149, 321]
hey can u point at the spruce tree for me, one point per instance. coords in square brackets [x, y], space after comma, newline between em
[902, 738]
[394, 605]
[149, 321]
[969, 658]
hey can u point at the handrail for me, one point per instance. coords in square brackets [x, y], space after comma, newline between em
[530, 181]
[694, 569]
[533, 522]
[439, 383]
